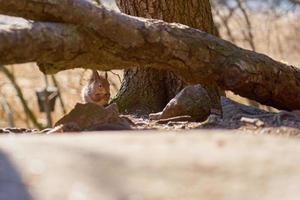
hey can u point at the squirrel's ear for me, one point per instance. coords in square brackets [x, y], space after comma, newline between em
[106, 75]
[95, 75]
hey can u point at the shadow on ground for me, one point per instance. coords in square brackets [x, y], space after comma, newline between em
[12, 186]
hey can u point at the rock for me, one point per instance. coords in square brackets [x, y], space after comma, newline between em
[92, 117]
[234, 110]
[193, 100]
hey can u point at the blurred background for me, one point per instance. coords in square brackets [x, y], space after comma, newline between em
[271, 27]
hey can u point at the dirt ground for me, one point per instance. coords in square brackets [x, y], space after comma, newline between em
[270, 125]
[209, 165]
[288, 127]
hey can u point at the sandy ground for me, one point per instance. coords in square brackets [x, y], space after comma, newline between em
[210, 165]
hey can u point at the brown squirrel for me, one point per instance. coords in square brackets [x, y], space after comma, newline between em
[96, 90]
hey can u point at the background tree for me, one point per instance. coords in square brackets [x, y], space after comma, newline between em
[149, 90]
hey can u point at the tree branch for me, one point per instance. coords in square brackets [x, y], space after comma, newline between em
[39, 42]
[112, 39]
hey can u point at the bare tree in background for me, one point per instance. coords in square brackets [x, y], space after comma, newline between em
[29, 113]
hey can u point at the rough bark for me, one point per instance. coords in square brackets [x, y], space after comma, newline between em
[105, 39]
[109, 166]
[142, 91]
[149, 90]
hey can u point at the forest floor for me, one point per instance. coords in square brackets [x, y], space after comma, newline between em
[287, 126]
[276, 124]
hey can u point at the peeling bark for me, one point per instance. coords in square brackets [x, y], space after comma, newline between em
[111, 40]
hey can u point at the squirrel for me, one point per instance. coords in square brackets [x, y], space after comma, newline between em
[96, 90]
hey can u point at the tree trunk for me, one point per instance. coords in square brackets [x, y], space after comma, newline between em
[82, 34]
[149, 90]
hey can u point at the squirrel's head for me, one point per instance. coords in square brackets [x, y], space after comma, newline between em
[99, 90]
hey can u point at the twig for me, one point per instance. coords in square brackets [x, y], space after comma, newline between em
[56, 84]
[250, 38]
[116, 75]
[7, 109]
[46, 103]
[27, 110]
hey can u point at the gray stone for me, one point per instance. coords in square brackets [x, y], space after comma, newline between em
[193, 100]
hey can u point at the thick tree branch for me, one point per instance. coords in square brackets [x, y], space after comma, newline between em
[39, 41]
[114, 39]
